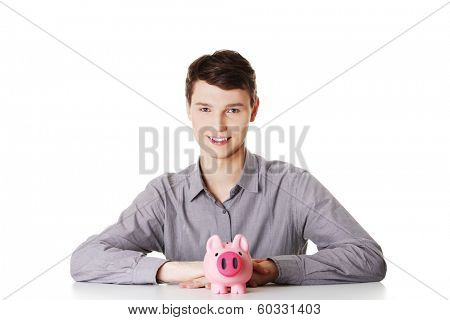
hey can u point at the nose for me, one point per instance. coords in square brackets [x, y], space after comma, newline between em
[219, 123]
[229, 263]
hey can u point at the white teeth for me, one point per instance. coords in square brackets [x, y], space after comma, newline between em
[219, 139]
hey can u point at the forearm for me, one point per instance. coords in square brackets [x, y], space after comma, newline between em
[347, 253]
[349, 263]
[178, 271]
[97, 261]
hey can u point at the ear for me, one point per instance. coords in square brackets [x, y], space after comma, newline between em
[214, 243]
[254, 109]
[240, 241]
[188, 110]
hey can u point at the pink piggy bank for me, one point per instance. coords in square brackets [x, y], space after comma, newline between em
[228, 264]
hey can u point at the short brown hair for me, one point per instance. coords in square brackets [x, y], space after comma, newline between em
[226, 69]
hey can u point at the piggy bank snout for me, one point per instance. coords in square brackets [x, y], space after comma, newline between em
[229, 263]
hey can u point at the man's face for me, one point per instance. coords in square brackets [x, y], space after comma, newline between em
[220, 118]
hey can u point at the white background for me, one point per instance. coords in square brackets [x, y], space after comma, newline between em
[378, 134]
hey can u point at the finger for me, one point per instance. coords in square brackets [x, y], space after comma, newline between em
[258, 263]
[259, 268]
[198, 284]
[194, 283]
[259, 260]
[190, 284]
[251, 282]
[202, 282]
[185, 284]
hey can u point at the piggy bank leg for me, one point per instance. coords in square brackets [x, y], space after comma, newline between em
[238, 288]
[218, 288]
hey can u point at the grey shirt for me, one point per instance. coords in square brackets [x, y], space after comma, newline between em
[278, 207]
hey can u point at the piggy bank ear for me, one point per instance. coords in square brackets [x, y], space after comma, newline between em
[240, 242]
[214, 243]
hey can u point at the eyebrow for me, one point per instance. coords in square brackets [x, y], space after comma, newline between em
[237, 104]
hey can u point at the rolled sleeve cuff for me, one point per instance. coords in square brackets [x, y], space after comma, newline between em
[146, 269]
[291, 269]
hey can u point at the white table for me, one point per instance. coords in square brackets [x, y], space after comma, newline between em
[57, 284]
[375, 290]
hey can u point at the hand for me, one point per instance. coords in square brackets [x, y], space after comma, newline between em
[200, 282]
[176, 271]
[264, 271]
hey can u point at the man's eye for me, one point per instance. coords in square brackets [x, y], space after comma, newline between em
[235, 110]
[204, 109]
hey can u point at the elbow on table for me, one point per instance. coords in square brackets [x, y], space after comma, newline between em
[77, 267]
[378, 270]
[75, 270]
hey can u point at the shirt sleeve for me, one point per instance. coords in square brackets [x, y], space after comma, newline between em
[118, 254]
[346, 252]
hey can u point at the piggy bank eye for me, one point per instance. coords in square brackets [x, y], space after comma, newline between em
[216, 254]
[240, 253]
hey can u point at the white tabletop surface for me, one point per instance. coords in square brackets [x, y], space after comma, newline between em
[268, 292]
[57, 284]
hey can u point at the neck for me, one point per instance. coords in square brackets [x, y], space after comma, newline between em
[224, 170]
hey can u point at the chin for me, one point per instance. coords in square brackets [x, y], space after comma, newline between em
[220, 153]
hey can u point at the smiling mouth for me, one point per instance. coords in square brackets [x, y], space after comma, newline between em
[219, 140]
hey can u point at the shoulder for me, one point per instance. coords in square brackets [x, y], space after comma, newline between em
[170, 180]
[280, 172]
[164, 187]
[300, 183]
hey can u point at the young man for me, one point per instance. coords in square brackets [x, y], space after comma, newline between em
[230, 191]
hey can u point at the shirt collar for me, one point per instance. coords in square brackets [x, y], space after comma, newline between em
[249, 179]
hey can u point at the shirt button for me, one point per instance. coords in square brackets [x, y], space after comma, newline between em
[224, 211]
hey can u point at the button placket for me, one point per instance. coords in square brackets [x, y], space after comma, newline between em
[224, 221]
